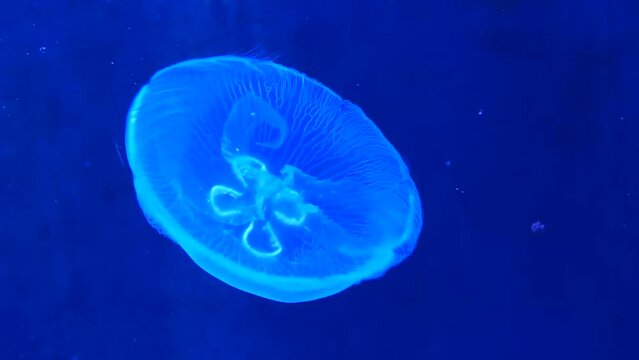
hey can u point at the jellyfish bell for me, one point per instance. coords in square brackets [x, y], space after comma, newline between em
[269, 180]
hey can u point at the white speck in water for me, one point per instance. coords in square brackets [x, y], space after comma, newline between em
[42, 49]
[480, 112]
[537, 226]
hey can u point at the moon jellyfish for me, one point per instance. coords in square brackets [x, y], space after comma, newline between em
[269, 180]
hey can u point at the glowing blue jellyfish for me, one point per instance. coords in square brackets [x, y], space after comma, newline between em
[270, 181]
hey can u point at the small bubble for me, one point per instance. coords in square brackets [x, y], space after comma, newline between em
[448, 163]
[480, 112]
[42, 49]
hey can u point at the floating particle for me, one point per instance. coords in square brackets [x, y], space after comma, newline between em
[537, 226]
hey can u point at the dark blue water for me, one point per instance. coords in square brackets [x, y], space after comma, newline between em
[508, 113]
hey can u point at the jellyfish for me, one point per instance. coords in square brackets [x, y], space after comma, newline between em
[270, 181]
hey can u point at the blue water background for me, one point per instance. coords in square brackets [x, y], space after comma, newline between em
[508, 112]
